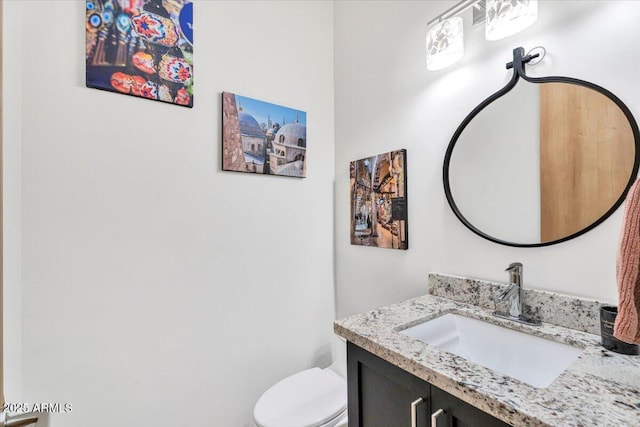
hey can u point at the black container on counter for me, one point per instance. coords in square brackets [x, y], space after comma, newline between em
[607, 320]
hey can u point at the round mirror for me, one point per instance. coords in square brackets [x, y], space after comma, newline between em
[541, 162]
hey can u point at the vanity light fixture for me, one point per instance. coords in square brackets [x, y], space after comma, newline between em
[445, 44]
[507, 17]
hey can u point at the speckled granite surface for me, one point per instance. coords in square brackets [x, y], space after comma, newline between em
[600, 388]
[572, 312]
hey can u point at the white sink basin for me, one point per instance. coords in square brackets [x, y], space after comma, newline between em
[531, 359]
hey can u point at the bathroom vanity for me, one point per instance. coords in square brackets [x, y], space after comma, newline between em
[397, 380]
[382, 395]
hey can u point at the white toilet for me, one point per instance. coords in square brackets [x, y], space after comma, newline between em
[312, 398]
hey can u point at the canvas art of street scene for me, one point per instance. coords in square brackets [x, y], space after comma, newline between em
[379, 201]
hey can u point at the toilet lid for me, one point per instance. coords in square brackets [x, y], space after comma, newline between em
[306, 399]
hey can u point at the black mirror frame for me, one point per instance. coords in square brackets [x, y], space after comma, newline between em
[519, 59]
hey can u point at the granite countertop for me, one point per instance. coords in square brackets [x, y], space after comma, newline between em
[600, 388]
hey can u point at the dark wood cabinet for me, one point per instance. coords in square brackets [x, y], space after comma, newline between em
[457, 413]
[382, 395]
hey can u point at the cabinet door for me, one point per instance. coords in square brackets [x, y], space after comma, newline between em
[458, 413]
[381, 395]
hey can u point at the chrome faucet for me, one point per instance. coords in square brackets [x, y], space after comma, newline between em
[513, 294]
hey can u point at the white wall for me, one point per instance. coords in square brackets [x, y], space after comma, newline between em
[12, 205]
[386, 99]
[157, 289]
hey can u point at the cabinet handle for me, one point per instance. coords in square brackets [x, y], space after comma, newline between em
[434, 417]
[414, 411]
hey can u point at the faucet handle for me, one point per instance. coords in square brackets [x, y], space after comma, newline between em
[514, 266]
[506, 293]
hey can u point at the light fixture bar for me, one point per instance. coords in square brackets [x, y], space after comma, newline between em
[458, 8]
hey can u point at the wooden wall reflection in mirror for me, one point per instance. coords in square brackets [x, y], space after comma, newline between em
[538, 164]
